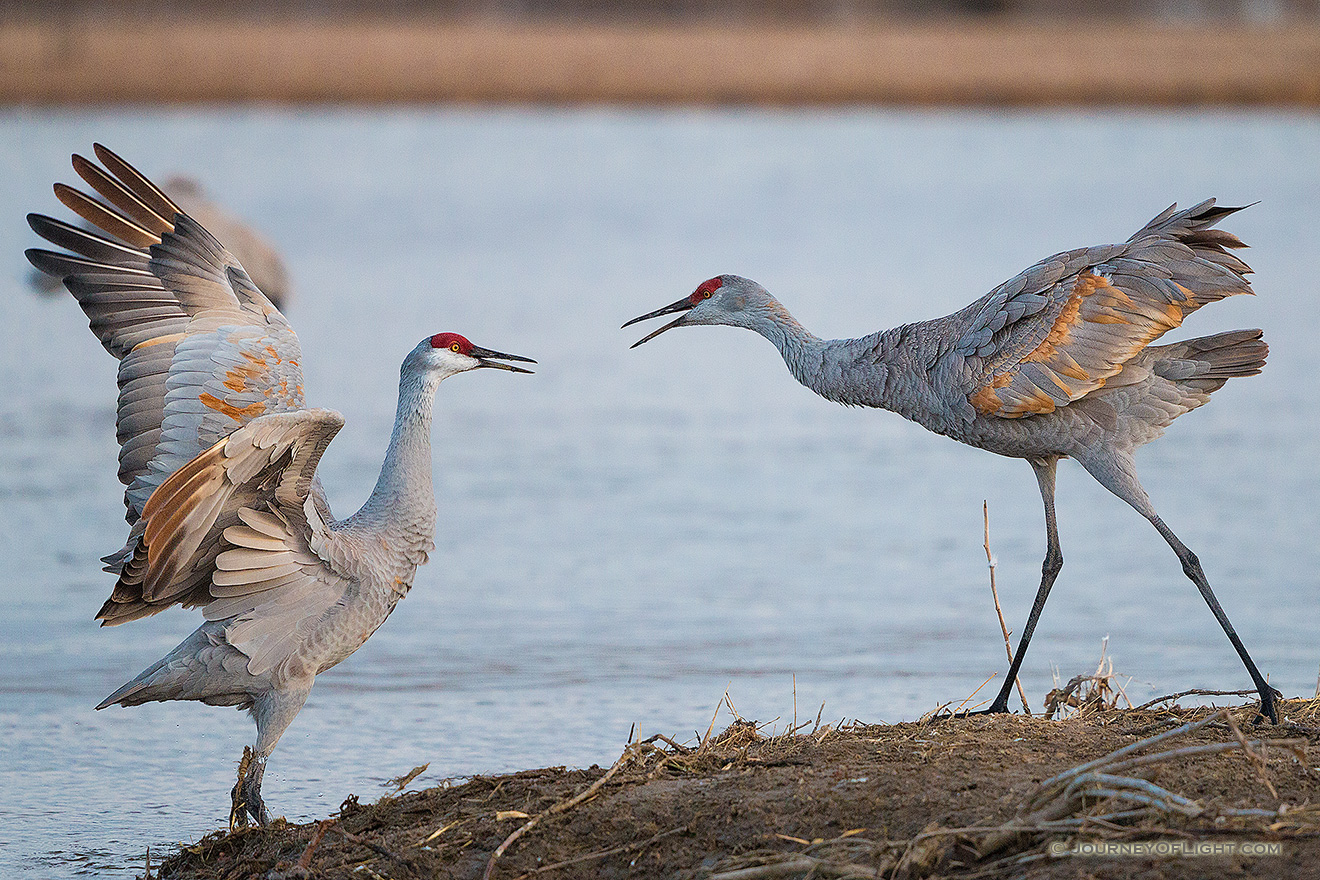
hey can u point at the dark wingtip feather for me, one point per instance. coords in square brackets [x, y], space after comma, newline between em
[122, 197]
[47, 261]
[135, 180]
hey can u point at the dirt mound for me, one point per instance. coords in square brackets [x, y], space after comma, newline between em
[1204, 790]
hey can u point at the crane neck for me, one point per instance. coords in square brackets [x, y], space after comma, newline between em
[404, 499]
[827, 366]
[801, 349]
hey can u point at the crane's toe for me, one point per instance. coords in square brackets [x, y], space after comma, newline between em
[993, 710]
[1269, 705]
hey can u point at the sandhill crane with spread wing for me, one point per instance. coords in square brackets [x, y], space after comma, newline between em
[1055, 363]
[219, 454]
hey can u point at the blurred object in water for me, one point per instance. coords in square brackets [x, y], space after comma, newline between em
[259, 257]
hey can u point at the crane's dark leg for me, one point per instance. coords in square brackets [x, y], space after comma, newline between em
[1049, 570]
[1119, 477]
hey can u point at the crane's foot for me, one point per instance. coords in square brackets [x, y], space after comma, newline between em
[245, 798]
[1269, 705]
[993, 710]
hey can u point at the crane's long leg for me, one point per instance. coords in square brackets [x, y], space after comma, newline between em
[1119, 476]
[1049, 570]
[273, 711]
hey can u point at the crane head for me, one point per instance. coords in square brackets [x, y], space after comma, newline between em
[455, 354]
[724, 299]
[714, 301]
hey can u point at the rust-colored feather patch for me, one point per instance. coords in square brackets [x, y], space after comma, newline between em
[237, 413]
[985, 400]
[1098, 330]
[1062, 329]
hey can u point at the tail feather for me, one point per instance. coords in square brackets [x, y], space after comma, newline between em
[1220, 357]
[1165, 381]
[125, 694]
[202, 667]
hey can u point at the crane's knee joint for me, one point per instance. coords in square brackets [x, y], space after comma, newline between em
[1192, 566]
[1053, 564]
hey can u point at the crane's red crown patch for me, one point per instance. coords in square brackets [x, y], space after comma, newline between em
[705, 289]
[451, 341]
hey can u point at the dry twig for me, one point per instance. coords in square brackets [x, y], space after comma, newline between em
[629, 753]
[399, 783]
[305, 860]
[1197, 692]
[373, 846]
[990, 560]
[1103, 692]
[1256, 761]
[1055, 801]
[805, 865]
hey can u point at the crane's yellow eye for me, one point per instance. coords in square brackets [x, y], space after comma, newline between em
[706, 295]
[455, 347]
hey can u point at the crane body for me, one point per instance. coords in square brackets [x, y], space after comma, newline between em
[219, 455]
[1055, 363]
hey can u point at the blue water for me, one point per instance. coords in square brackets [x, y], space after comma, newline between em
[627, 534]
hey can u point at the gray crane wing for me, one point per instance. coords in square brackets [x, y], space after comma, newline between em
[244, 517]
[260, 258]
[1066, 326]
[201, 350]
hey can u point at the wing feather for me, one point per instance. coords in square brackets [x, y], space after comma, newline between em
[124, 199]
[230, 527]
[1069, 325]
[262, 522]
[167, 299]
[235, 595]
[146, 191]
[242, 576]
[246, 536]
[247, 557]
[97, 248]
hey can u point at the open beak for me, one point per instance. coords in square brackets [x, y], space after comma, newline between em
[484, 355]
[681, 306]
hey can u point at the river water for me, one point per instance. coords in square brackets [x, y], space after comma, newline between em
[627, 535]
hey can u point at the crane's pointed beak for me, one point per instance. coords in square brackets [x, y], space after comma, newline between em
[681, 306]
[484, 355]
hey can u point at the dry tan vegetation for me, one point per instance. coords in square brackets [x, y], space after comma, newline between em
[78, 61]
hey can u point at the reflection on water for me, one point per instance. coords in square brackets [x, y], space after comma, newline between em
[629, 533]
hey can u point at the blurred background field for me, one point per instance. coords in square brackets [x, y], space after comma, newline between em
[997, 52]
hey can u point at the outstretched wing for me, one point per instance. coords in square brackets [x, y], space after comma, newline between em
[238, 530]
[260, 258]
[1067, 325]
[201, 350]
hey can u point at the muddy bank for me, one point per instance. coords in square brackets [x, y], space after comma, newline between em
[969, 797]
[71, 60]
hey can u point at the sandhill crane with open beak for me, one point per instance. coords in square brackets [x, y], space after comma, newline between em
[1054, 363]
